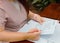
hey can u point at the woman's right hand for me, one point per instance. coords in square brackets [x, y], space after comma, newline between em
[34, 34]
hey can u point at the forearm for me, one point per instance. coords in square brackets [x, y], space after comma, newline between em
[12, 36]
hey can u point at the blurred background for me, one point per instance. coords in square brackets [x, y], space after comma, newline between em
[39, 5]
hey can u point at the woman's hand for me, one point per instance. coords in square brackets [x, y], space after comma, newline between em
[36, 17]
[34, 34]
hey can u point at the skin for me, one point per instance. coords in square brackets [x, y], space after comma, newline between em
[32, 34]
[36, 17]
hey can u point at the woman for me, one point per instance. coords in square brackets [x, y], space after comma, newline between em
[12, 17]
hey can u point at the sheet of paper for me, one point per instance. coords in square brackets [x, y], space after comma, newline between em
[41, 40]
[47, 27]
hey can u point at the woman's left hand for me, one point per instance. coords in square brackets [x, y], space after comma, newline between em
[38, 18]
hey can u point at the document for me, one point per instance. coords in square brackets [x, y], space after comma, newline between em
[47, 28]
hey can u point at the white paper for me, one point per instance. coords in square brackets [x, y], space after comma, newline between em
[41, 40]
[47, 27]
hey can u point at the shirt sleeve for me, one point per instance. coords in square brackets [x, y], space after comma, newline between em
[2, 19]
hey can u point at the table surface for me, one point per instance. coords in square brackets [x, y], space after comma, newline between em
[56, 36]
[53, 11]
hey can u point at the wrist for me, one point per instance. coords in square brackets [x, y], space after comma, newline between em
[30, 36]
[26, 36]
[35, 16]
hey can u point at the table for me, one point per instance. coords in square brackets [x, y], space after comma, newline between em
[52, 11]
[55, 38]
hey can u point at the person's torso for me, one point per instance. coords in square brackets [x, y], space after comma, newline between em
[15, 18]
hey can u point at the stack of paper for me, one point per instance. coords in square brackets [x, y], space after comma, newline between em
[47, 27]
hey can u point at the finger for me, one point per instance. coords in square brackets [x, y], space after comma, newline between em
[34, 30]
[41, 20]
[37, 33]
[37, 38]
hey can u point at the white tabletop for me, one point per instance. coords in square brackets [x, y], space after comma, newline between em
[55, 38]
[52, 38]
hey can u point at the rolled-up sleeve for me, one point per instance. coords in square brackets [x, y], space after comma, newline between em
[2, 19]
